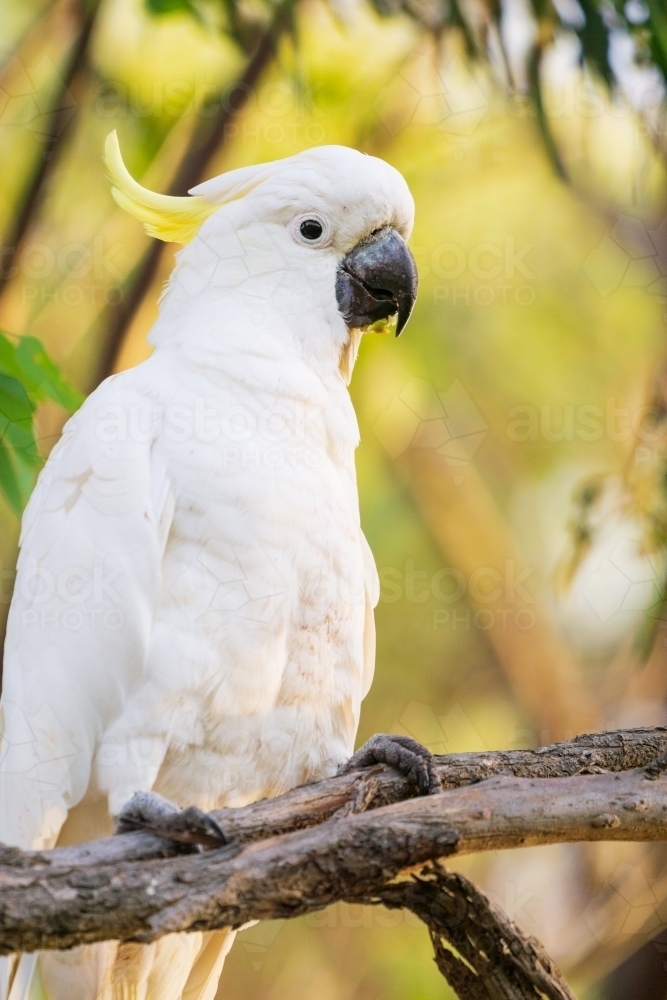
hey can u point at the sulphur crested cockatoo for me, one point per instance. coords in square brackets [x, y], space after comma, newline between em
[193, 608]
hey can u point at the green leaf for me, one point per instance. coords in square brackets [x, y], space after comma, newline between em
[172, 7]
[8, 363]
[15, 403]
[657, 31]
[10, 482]
[594, 38]
[27, 376]
[19, 457]
[16, 423]
[45, 376]
[20, 437]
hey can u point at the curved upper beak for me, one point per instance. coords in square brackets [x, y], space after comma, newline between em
[377, 280]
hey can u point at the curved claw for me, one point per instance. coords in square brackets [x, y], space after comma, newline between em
[404, 754]
[192, 826]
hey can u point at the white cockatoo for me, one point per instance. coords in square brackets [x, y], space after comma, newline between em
[193, 607]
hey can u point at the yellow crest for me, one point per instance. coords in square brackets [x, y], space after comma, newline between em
[175, 220]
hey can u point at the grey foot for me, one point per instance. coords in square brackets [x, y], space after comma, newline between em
[407, 756]
[148, 811]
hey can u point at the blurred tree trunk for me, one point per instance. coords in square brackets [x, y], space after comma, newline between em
[209, 136]
[643, 976]
[60, 122]
[469, 529]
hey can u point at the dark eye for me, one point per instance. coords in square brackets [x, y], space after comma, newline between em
[311, 229]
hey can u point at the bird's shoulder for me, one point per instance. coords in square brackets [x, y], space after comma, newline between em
[106, 464]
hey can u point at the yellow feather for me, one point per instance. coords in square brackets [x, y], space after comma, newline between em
[174, 220]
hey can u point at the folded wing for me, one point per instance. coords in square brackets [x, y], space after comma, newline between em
[87, 586]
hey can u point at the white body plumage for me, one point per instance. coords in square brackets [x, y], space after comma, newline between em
[193, 605]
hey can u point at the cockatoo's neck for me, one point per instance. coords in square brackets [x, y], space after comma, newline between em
[253, 304]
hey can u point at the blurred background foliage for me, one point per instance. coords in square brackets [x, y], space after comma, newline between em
[513, 461]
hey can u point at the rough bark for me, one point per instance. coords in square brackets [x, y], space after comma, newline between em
[314, 803]
[481, 953]
[121, 889]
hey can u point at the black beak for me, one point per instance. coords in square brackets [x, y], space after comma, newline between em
[376, 280]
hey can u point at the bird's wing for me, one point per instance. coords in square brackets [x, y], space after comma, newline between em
[372, 596]
[87, 585]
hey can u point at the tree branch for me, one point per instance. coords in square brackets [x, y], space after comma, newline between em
[130, 888]
[492, 959]
[316, 802]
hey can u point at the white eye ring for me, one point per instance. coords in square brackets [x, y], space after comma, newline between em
[304, 227]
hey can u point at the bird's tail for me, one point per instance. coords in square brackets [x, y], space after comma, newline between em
[202, 983]
[176, 967]
[6, 970]
[27, 822]
[19, 978]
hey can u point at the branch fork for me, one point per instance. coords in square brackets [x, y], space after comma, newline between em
[361, 837]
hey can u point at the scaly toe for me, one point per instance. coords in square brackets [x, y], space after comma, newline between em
[149, 811]
[402, 753]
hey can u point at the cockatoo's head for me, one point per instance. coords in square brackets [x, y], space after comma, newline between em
[315, 242]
